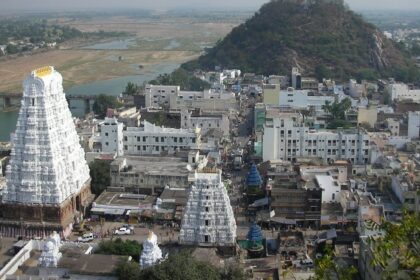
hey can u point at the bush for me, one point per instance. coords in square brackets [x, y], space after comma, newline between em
[119, 247]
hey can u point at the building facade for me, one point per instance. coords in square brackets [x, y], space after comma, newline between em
[156, 140]
[414, 125]
[206, 122]
[403, 92]
[48, 180]
[287, 138]
[304, 99]
[112, 136]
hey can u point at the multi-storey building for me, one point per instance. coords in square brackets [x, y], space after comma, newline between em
[304, 99]
[157, 140]
[48, 183]
[403, 92]
[286, 137]
[174, 98]
[148, 175]
[205, 121]
[112, 136]
[414, 125]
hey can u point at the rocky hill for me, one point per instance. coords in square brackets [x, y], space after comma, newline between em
[321, 37]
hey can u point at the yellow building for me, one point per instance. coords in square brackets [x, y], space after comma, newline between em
[367, 115]
[271, 94]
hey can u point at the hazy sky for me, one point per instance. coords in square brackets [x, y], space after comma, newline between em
[39, 5]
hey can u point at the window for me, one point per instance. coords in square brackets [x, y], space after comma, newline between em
[193, 139]
[333, 196]
[125, 138]
[157, 139]
[144, 148]
[106, 133]
[138, 148]
[106, 143]
[162, 139]
[175, 139]
[138, 138]
[207, 222]
[207, 209]
[157, 148]
[144, 138]
[125, 147]
[180, 140]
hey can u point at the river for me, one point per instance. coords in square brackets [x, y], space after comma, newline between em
[111, 87]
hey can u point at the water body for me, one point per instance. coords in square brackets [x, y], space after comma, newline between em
[122, 44]
[173, 44]
[111, 87]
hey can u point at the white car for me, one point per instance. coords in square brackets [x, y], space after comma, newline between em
[122, 231]
[87, 237]
[130, 227]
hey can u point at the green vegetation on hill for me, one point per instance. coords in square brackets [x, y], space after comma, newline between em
[321, 37]
[182, 78]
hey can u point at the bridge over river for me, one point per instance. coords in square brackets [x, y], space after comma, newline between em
[9, 100]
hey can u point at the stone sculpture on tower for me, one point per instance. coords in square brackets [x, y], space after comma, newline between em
[50, 252]
[151, 253]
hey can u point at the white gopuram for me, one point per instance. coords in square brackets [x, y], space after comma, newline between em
[208, 217]
[47, 163]
[151, 253]
[51, 251]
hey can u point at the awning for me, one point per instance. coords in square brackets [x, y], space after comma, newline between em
[284, 221]
[107, 211]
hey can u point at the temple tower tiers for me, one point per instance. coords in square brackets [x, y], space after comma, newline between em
[151, 253]
[47, 163]
[208, 219]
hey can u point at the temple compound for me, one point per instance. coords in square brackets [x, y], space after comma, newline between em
[208, 218]
[47, 179]
[151, 253]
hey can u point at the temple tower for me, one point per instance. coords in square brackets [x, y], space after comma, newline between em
[47, 179]
[208, 218]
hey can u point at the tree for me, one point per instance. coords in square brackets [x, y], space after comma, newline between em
[321, 72]
[337, 111]
[326, 268]
[99, 172]
[102, 103]
[131, 89]
[178, 266]
[120, 247]
[397, 251]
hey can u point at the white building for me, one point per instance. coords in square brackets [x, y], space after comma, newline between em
[158, 95]
[174, 98]
[402, 92]
[356, 90]
[208, 217]
[330, 188]
[296, 78]
[304, 99]
[205, 121]
[47, 164]
[157, 140]
[112, 136]
[287, 138]
[414, 124]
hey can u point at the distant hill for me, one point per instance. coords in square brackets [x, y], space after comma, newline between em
[321, 37]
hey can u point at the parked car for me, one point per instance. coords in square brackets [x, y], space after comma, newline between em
[130, 227]
[87, 237]
[122, 231]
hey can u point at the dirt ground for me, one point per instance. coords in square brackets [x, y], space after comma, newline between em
[155, 42]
